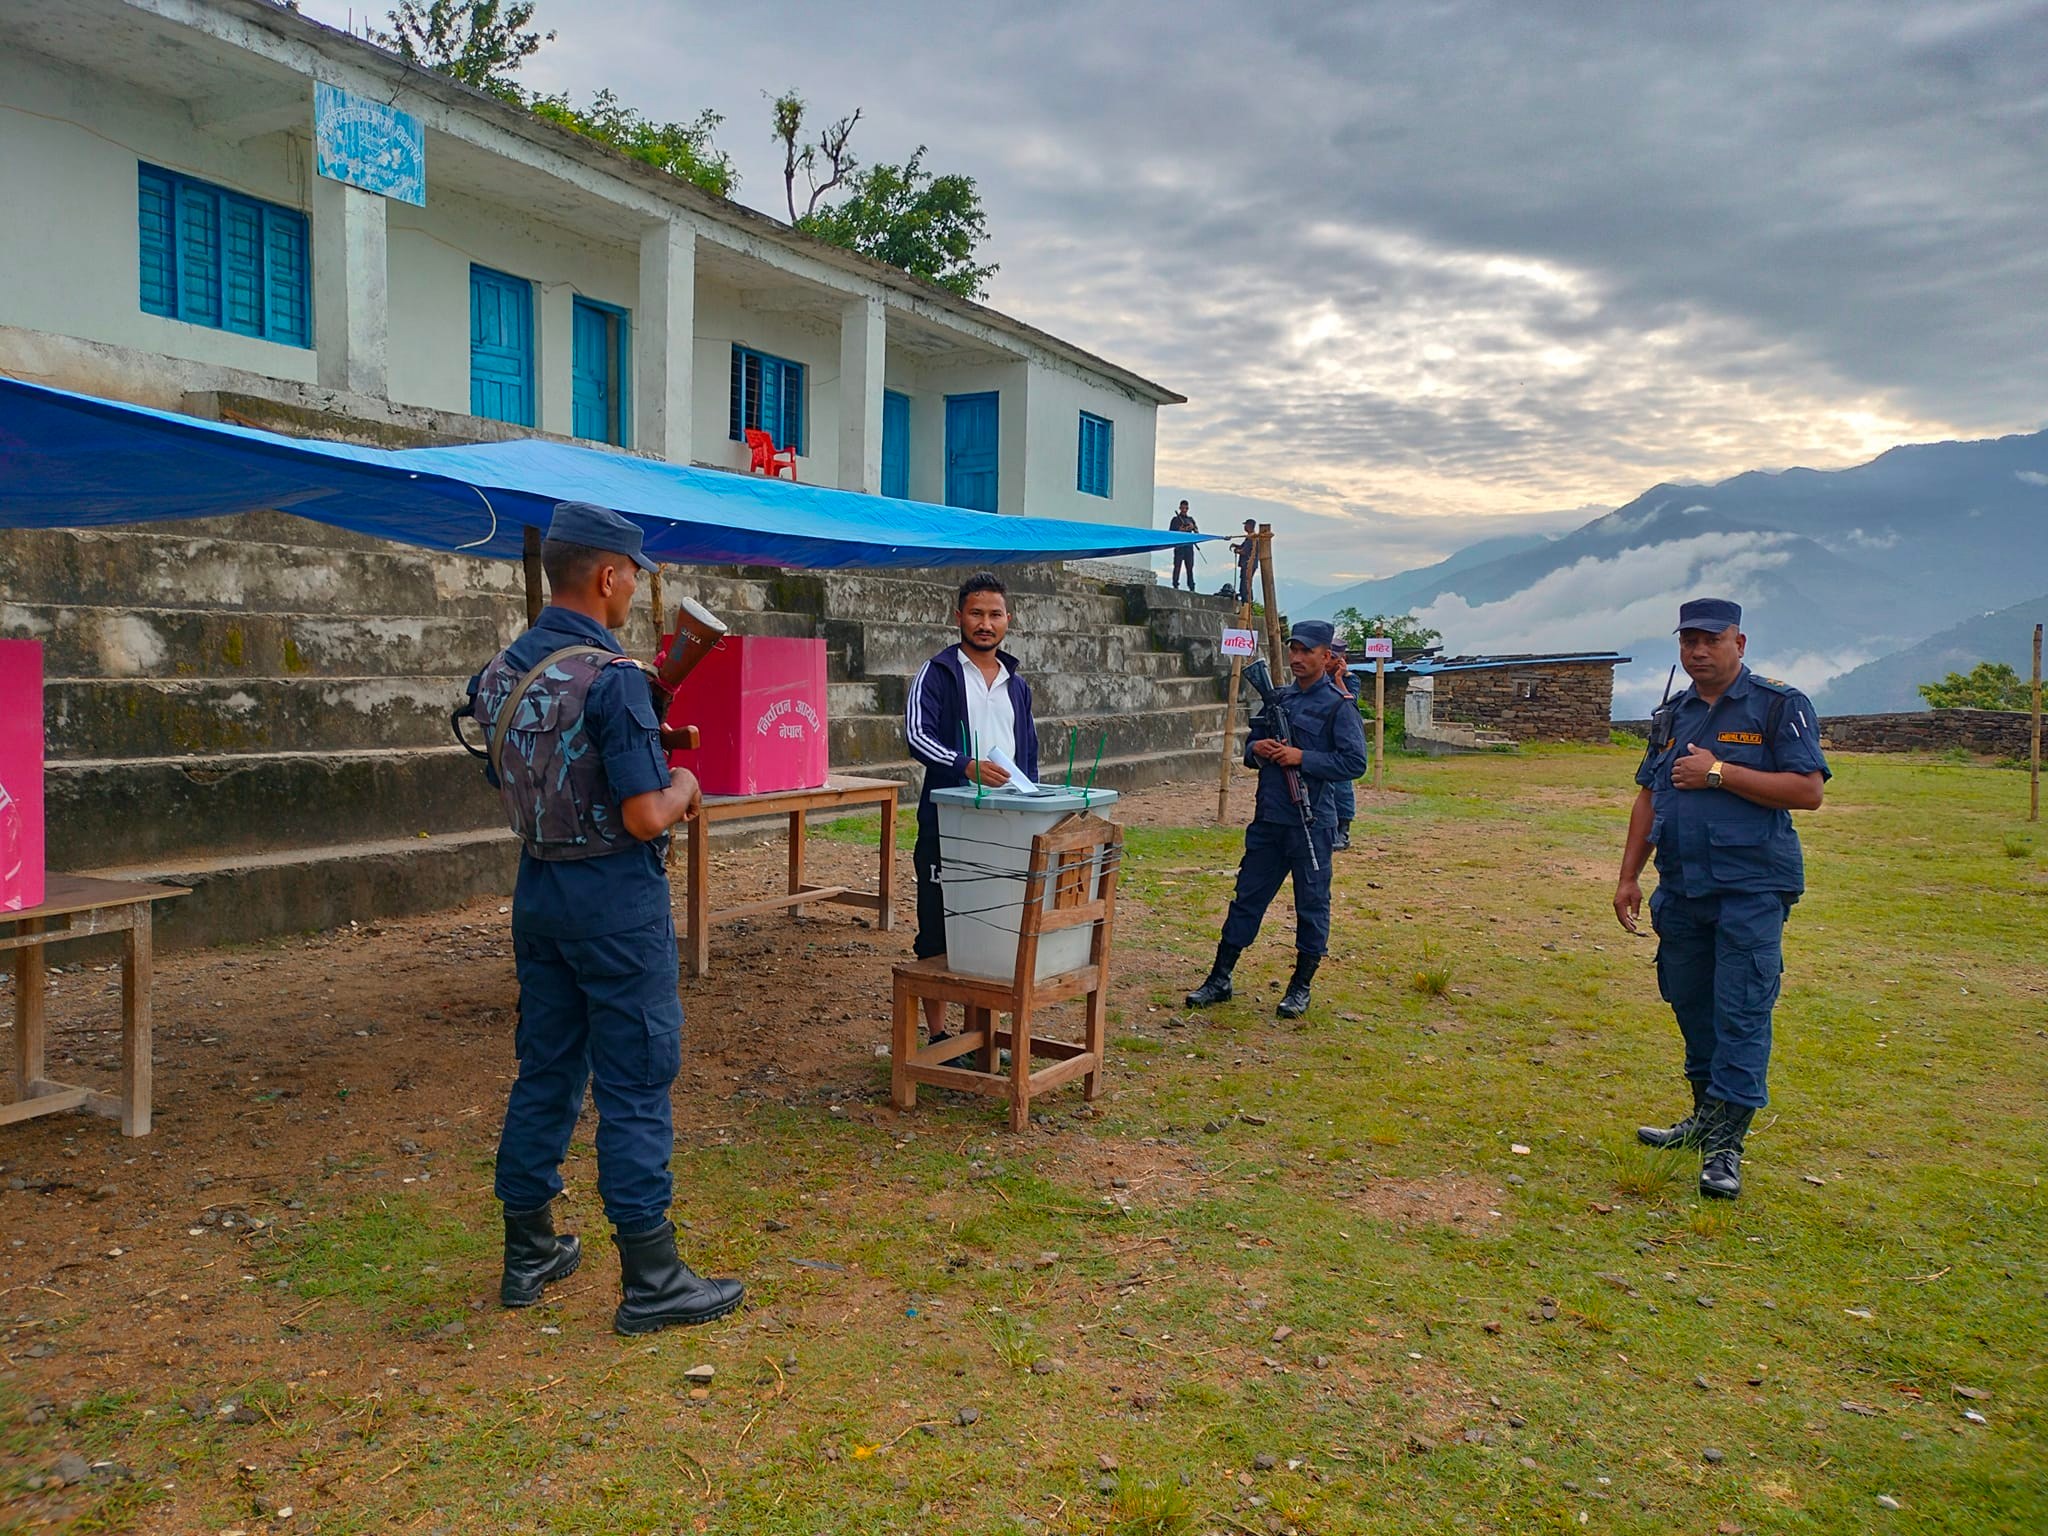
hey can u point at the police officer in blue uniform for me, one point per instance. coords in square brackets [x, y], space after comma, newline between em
[1729, 760]
[1347, 794]
[575, 751]
[1328, 750]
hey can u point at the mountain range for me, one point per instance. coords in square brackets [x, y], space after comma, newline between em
[1841, 573]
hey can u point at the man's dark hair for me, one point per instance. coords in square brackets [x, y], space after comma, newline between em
[569, 565]
[981, 581]
[1251, 525]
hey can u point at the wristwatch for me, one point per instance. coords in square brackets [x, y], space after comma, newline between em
[1714, 774]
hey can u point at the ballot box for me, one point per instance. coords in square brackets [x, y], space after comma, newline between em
[21, 774]
[984, 851]
[758, 702]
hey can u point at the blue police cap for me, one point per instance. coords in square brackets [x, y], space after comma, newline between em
[595, 527]
[1312, 633]
[1713, 614]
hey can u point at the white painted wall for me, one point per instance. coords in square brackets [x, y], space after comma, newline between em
[927, 385]
[431, 250]
[1053, 432]
[68, 249]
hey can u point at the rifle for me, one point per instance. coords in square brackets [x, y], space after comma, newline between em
[1261, 679]
[1661, 718]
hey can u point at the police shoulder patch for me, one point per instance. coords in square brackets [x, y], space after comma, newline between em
[1775, 684]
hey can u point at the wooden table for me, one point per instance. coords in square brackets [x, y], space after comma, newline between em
[81, 907]
[838, 792]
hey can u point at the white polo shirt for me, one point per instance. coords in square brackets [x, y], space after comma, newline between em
[991, 717]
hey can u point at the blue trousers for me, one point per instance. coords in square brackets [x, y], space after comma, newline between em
[1273, 851]
[602, 1012]
[1719, 963]
[1347, 801]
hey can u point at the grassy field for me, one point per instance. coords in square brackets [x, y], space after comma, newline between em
[1398, 1268]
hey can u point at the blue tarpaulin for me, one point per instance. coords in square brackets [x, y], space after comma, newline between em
[69, 460]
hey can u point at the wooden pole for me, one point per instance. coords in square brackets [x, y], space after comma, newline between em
[1379, 722]
[1275, 641]
[532, 561]
[1244, 619]
[2034, 773]
[654, 603]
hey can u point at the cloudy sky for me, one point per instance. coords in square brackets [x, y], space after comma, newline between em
[1424, 265]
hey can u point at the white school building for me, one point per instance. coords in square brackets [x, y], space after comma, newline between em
[170, 240]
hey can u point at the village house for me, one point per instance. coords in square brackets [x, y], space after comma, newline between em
[1454, 703]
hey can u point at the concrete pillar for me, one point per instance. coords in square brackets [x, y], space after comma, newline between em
[664, 342]
[351, 290]
[863, 340]
[554, 320]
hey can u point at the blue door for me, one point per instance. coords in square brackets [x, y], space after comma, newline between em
[500, 346]
[971, 443]
[598, 373]
[895, 444]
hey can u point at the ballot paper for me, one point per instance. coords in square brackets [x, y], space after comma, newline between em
[1019, 784]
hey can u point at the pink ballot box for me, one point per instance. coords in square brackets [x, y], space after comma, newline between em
[758, 702]
[21, 774]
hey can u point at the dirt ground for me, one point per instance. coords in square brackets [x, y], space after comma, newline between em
[380, 1055]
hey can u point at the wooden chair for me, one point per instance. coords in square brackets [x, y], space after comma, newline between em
[1079, 857]
[767, 459]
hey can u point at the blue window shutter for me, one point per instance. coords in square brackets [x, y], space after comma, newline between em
[198, 253]
[768, 413]
[287, 296]
[1094, 454]
[156, 227]
[793, 406]
[242, 296]
[737, 412]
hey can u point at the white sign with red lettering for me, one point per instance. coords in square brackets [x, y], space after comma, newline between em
[1240, 642]
[1379, 648]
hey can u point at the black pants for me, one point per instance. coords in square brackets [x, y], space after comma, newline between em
[1184, 559]
[931, 899]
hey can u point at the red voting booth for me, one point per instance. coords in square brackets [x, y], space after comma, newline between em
[758, 702]
[21, 774]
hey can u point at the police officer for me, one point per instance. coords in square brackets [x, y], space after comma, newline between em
[575, 751]
[1328, 750]
[1347, 795]
[1183, 521]
[1729, 760]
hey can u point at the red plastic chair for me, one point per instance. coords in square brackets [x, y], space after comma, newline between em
[766, 458]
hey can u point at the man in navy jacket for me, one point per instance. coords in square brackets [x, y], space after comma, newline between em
[966, 704]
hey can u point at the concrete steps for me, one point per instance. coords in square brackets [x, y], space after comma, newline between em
[257, 708]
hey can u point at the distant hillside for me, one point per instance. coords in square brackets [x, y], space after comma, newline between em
[1834, 568]
[1396, 594]
[1891, 683]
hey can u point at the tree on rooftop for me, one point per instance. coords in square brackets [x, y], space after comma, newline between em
[929, 225]
[684, 150]
[1355, 628]
[1988, 685]
[479, 42]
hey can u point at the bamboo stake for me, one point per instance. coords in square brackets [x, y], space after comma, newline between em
[1379, 722]
[2034, 773]
[531, 555]
[1275, 641]
[1244, 619]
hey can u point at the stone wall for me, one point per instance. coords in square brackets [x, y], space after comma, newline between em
[1987, 732]
[1557, 701]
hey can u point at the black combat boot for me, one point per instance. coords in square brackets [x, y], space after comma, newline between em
[1727, 1124]
[1342, 841]
[534, 1256]
[1217, 988]
[1294, 1002]
[1689, 1132]
[661, 1291]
